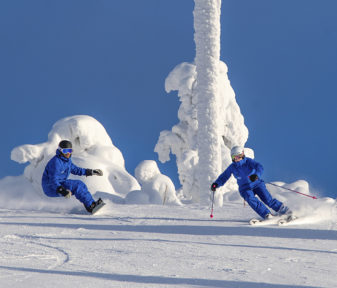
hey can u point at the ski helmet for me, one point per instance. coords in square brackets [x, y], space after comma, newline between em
[65, 144]
[236, 150]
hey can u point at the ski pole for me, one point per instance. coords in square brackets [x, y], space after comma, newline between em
[313, 197]
[212, 206]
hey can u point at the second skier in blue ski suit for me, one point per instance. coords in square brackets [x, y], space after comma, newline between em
[55, 182]
[248, 174]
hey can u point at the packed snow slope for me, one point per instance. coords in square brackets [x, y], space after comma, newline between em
[163, 246]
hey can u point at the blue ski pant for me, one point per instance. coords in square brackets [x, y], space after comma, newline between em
[77, 187]
[266, 199]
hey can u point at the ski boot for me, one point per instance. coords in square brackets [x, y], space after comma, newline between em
[95, 206]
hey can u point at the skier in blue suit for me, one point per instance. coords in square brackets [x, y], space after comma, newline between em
[55, 182]
[248, 174]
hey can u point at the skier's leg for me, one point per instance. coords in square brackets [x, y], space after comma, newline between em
[265, 196]
[80, 190]
[255, 203]
[50, 191]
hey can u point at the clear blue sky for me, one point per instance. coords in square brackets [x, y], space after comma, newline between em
[109, 59]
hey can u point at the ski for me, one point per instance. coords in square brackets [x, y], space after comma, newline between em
[270, 221]
[290, 218]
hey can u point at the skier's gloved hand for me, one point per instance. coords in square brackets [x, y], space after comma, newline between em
[90, 172]
[214, 186]
[97, 172]
[64, 192]
[69, 193]
[253, 177]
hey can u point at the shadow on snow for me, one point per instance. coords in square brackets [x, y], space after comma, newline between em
[196, 230]
[155, 279]
[95, 239]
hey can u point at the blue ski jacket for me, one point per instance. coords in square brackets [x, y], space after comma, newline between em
[57, 171]
[241, 171]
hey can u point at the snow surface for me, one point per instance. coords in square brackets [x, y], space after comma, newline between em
[164, 246]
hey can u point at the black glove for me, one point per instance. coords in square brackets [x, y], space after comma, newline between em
[97, 172]
[253, 177]
[90, 172]
[64, 192]
[214, 186]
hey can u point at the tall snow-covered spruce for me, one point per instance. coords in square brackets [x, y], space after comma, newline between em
[207, 41]
[210, 119]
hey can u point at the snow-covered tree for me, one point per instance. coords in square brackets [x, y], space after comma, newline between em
[210, 119]
[207, 42]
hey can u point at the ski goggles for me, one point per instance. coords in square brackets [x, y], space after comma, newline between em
[66, 150]
[237, 157]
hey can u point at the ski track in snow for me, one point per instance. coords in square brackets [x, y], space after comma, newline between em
[160, 246]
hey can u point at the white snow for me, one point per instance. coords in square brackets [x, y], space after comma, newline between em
[156, 188]
[163, 246]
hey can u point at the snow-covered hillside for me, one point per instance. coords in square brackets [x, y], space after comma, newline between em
[163, 246]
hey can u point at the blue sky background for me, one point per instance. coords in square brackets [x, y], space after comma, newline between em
[109, 59]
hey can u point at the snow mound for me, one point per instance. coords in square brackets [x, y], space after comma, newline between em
[156, 188]
[92, 148]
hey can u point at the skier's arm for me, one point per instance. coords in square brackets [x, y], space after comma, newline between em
[77, 170]
[257, 167]
[83, 171]
[222, 179]
[53, 173]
